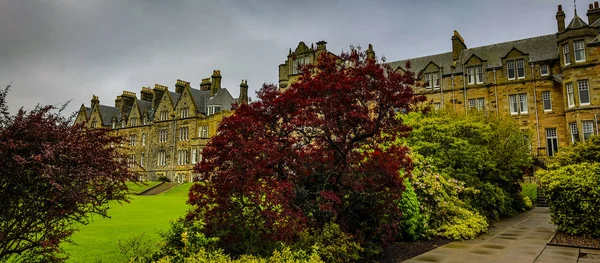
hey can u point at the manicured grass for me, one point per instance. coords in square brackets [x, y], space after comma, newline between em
[530, 189]
[136, 188]
[98, 241]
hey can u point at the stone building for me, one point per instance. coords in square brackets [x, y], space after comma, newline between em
[165, 131]
[550, 84]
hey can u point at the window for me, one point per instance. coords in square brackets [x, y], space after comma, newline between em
[510, 66]
[94, 123]
[163, 135]
[203, 131]
[131, 161]
[551, 141]
[299, 62]
[479, 74]
[114, 124]
[481, 103]
[213, 110]
[436, 80]
[132, 139]
[123, 123]
[570, 96]
[547, 100]
[143, 139]
[194, 156]
[518, 103]
[471, 75]
[183, 112]
[472, 103]
[144, 120]
[544, 70]
[437, 105]
[566, 56]
[183, 133]
[579, 48]
[163, 115]
[162, 158]
[584, 92]
[574, 132]
[133, 122]
[520, 69]
[427, 80]
[182, 157]
[588, 129]
[142, 157]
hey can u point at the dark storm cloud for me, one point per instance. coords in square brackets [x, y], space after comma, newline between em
[53, 51]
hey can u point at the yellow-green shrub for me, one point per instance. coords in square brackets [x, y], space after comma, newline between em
[574, 195]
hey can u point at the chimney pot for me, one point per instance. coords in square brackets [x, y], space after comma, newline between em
[560, 8]
[591, 6]
[596, 4]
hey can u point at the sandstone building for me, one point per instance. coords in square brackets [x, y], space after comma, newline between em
[550, 84]
[165, 130]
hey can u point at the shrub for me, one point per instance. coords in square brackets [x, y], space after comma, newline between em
[445, 213]
[413, 222]
[530, 190]
[284, 255]
[330, 243]
[528, 202]
[573, 192]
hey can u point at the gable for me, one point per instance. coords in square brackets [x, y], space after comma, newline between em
[431, 67]
[164, 104]
[514, 52]
[186, 101]
[474, 60]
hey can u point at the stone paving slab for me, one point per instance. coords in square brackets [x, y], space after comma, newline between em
[521, 238]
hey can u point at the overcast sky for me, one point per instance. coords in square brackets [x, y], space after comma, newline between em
[56, 50]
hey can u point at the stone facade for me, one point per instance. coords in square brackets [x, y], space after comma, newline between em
[164, 131]
[558, 101]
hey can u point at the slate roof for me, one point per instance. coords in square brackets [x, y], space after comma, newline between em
[88, 112]
[144, 105]
[222, 98]
[107, 112]
[557, 78]
[576, 22]
[200, 98]
[538, 48]
[174, 97]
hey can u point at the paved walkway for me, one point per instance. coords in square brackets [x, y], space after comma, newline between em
[521, 238]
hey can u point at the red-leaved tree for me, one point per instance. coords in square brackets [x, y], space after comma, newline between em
[308, 156]
[53, 175]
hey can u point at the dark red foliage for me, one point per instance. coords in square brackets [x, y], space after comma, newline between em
[53, 175]
[310, 155]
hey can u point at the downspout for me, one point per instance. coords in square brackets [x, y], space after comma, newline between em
[537, 119]
[441, 87]
[596, 121]
[464, 86]
[496, 92]
[173, 150]
[453, 99]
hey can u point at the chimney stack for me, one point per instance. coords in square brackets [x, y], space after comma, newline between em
[560, 19]
[95, 101]
[370, 53]
[244, 92]
[205, 84]
[180, 85]
[458, 45]
[146, 94]
[593, 13]
[216, 82]
[118, 102]
[321, 45]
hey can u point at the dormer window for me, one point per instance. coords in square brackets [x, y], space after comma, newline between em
[183, 112]
[475, 75]
[94, 123]
[213, 109]
[579, 48]
[520, 69]
[544, 71]
[114, 124]
[432, 80]
[133, 122]
[163, 115]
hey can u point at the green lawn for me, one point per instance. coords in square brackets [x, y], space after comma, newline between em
[98, 241]
[136, 188]
[530, 189]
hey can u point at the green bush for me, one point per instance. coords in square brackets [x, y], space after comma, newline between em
[574, 195]
[284, 255]
[330, 243]
[491, 201]
[530, 190]
[445, 213]
[413, 222]
[528, 202]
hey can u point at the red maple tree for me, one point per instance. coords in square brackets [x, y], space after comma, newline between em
[310, 155]
[53, 175]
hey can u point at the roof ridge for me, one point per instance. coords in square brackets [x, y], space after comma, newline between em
[511, 41]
